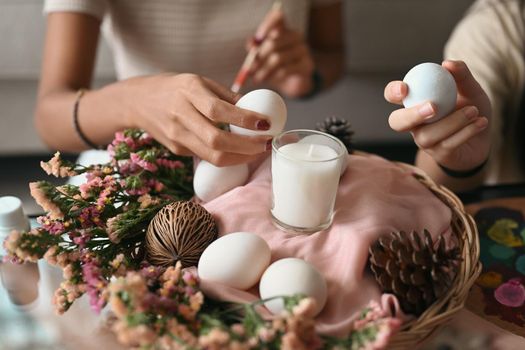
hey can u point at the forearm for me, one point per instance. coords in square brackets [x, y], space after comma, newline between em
[429, 165]
[100, 114]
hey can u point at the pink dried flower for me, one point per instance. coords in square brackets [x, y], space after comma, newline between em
[112, 228]
[145, 201]
[266, 334]
[373, 312]
[145, 139]
[46, 204]
[67, 273]
[54, 167]
[60, 301]
[238, 328]
[55, 227]
[186, 312]
[170, 164]
[307, 307]
[10, 244]
[50, 255]
[182, 332]
[121, 138]
[139, 336]
[386, 328]
[95, 284]
[66, 294]
[290, 341]
[215, 339]
[144, 164]
[118, 265]
[196, 301]
[190, 278]
[90, 216]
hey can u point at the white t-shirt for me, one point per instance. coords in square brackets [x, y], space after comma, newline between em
[491, 40]
[205, 37]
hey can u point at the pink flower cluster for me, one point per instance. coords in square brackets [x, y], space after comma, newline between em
[89, 229]
[172, 305]
[130, 142]
[95, 283]
[170, 164]
[147, 186]
[54, 211]
[376, 319]
[55, 227]
[103, 189]
[56, 167]
[137, 162]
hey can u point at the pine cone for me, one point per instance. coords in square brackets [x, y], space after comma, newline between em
[339, 128]
[414, 269]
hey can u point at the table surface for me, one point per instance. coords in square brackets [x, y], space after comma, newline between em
[25, 169]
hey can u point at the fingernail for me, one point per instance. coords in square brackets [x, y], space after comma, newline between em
[262, 125]
[471, 112]
[258, 39]
[426, 110]
[269, 144]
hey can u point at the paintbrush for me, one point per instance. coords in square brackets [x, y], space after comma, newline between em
[244, 71]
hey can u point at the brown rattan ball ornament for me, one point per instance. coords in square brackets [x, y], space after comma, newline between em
[412, 267]
[179, 232]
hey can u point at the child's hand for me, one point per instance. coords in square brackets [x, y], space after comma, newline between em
[459, 141]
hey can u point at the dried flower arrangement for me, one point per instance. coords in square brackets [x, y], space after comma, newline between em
[97, 234]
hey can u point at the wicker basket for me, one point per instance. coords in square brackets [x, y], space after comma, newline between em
[464, 227]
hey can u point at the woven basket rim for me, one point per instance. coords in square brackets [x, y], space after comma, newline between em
[464, 228]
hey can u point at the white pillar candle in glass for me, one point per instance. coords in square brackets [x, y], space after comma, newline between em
[306, 166]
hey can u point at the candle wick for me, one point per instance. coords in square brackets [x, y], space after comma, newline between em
[310, 150]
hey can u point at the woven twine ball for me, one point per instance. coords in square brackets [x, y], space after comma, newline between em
[179, 232]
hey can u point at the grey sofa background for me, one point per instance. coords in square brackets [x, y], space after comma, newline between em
[384, 38]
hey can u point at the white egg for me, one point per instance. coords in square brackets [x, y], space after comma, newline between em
[210, 181]
[431, 82]
[290, 276]
[236, 260]
[266, 102]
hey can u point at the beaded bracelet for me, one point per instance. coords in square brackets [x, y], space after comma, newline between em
[82, 136]
[462, 174]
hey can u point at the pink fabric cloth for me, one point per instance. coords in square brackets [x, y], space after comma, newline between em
[375, 197]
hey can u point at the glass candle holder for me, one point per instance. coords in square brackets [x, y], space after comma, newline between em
[306, 167]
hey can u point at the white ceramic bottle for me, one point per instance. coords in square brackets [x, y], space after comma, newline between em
[20, 281]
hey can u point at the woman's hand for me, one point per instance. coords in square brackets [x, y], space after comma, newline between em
[459, 141]
[183, 111]
[284, 60]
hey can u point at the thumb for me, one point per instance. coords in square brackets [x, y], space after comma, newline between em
[274, 19]
[466, 83]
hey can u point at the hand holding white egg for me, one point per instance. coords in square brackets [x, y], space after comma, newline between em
[211, 181]
[460, 139]
[265, 102]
